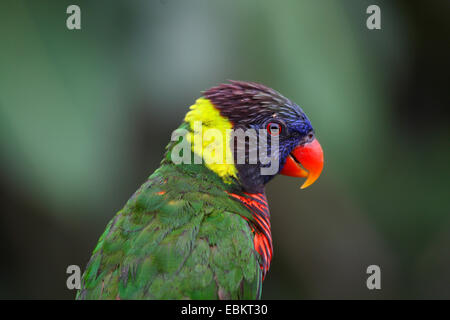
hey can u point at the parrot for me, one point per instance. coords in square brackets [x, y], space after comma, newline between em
[199, 229]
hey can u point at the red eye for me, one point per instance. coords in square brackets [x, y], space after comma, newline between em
[273, 128]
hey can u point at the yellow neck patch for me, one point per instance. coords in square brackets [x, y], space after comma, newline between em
[210, 138]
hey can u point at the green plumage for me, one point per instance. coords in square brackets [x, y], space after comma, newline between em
[180, 236]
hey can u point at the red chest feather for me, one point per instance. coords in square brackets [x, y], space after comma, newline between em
[257, 204]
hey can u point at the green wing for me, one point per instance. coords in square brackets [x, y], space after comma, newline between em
[179, 237]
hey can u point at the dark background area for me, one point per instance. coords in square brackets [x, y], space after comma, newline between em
[85, 116]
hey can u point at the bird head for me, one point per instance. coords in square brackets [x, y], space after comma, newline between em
[251, 106]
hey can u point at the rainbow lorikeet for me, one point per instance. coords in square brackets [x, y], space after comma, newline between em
[199, 229]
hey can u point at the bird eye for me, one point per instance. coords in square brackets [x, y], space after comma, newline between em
[310, 136]
[273, 128]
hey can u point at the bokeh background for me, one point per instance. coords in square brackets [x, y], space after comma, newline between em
[85, 116]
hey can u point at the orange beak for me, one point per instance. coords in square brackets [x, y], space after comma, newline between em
[305, 161]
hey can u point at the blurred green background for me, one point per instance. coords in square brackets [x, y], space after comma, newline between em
[85, 116]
